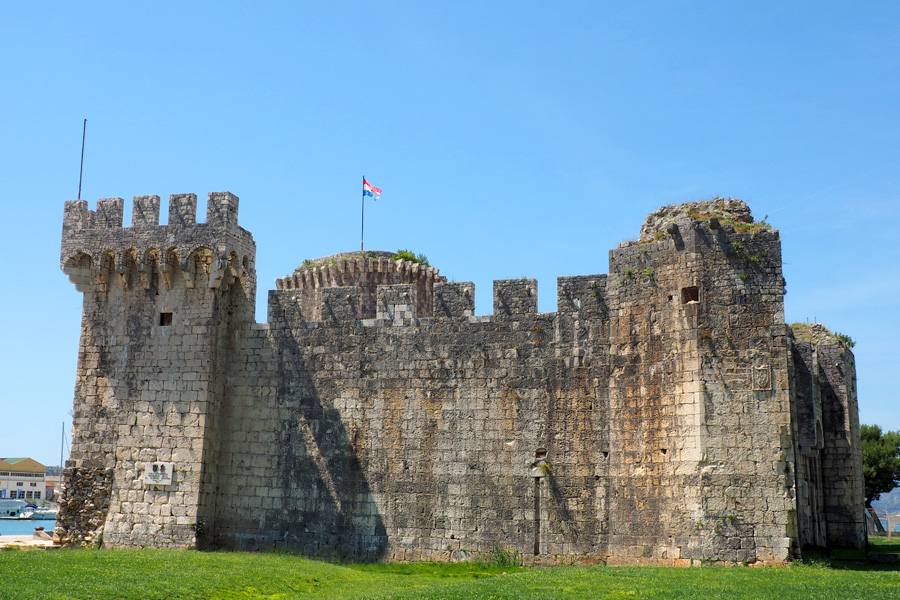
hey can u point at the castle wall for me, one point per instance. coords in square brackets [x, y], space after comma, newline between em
[809, 441]
[829, 466]
[747, 464]
[655, 410]
[842, 480]
[416, 439]
[662, 415]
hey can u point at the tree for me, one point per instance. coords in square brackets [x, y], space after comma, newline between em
[881, 461]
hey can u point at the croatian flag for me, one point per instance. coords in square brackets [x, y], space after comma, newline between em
[371, 190]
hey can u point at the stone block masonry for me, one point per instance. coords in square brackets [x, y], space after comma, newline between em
[664, 414]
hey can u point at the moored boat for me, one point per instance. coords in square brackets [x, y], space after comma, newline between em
[41, 514]
[11, 509]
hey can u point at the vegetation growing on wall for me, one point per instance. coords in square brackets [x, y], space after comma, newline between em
[411, 257]
[729, 212]
[716, 208]
[819, 334]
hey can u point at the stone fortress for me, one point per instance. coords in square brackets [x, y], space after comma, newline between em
[664, 414]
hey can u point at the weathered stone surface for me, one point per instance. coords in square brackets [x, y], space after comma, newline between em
[665, 414]
[84, 505]
[716, 212]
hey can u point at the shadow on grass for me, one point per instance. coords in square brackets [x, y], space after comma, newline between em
[883, 546]
[878, 559]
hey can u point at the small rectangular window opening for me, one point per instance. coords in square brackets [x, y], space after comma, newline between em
[690, 294]
[165, 319]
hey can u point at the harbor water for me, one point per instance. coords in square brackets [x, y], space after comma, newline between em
[24, 526]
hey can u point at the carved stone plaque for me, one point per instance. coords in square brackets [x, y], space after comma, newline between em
[762, 377]
[159, 473]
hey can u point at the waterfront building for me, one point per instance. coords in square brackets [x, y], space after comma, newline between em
[23, 479]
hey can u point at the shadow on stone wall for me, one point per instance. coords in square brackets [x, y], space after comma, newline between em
[327, 506]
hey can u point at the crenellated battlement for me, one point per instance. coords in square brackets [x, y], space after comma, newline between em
[95, 245]
[221, 211]
[365, 271]
[399, 304]
[515, 298]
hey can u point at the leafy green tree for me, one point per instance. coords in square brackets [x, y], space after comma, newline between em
[881, 461]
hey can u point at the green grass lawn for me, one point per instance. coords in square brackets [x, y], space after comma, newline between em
[157, 574]
[881, 545]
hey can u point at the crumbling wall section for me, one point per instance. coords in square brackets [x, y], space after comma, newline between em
[83, 506]
[831, 496]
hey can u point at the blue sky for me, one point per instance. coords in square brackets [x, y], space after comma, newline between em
[511, 139]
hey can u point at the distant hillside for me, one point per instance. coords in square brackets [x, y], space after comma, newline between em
[889, 502]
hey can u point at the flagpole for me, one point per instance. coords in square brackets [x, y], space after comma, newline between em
[362, 225]
[81, 170]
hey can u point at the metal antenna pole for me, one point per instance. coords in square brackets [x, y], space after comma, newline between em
[81, 170]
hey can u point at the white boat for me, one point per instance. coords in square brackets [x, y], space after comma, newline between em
[41, 514]
[11, 509]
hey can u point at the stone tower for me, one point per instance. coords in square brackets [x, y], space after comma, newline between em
[699, 389]
[361, 272]
[161, 305]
